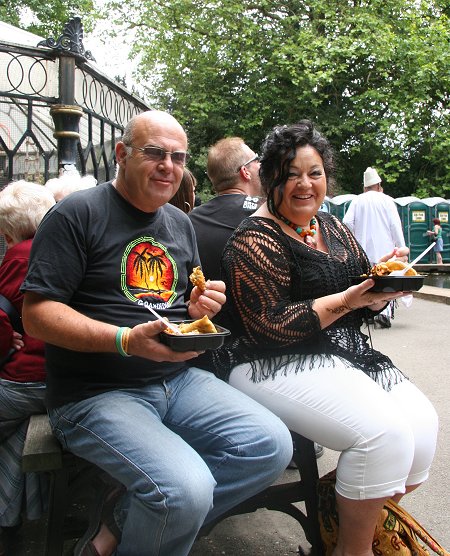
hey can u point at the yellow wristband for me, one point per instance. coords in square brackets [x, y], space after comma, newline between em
[119, 345]
[125, 339]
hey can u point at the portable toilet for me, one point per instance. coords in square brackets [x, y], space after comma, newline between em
[440, 208]
[402, 207]
[340, 204]
[417, 224]
[325, 206]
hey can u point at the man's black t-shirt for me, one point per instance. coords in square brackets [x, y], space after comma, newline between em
[214, 222]
[106, 259]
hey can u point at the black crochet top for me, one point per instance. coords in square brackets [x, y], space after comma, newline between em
[272, 281]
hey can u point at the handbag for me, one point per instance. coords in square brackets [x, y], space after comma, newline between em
[397, 533]
[16, 322]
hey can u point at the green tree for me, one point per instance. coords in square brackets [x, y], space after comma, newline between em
[47, 18]
[373, 74]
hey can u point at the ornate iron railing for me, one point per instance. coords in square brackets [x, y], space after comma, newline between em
[56, 109]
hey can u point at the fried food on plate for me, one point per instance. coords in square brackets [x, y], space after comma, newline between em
[198, 279]
[201, 326]
[384, 269]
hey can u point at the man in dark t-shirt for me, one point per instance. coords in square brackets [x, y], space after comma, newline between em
[233, 169]
[186, 446]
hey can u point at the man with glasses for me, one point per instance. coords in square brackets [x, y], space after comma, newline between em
[185, 446]
[233, 169]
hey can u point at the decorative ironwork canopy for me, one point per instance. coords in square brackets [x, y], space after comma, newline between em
[71, 41]
[57, 108]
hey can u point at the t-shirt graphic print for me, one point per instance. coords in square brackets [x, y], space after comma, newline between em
[148, 272]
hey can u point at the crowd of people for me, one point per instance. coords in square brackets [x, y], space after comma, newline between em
[209, 429]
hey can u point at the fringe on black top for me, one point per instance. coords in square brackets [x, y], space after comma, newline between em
[272, 281]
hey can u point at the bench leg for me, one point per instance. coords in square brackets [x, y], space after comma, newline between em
[59, 489]
[305, 458]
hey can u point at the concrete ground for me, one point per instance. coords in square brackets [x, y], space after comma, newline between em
[419, 343]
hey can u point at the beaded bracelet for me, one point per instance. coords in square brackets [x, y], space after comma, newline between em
[119, 344]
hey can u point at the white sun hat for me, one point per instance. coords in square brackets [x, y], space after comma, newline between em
[371, 177]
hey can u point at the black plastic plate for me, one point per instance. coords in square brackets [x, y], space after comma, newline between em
[392, 283]
[195, 342]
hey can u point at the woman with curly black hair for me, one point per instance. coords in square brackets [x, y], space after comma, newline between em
[297, 344]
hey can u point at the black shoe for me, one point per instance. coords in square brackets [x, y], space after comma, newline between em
[319, 450]
[382, 321]
[103, 512]
[12, 529]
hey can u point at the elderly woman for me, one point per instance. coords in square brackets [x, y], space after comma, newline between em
[68, 182]
[298, 348]
[22, 388]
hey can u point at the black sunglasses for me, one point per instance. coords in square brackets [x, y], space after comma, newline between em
[157, 154]
[256, 157]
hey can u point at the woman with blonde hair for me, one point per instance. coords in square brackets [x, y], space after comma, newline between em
[68, 182]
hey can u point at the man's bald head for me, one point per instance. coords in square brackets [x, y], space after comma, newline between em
[151, 119]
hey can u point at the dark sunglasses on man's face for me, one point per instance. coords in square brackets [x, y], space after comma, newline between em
[255, 157]
[156, 154]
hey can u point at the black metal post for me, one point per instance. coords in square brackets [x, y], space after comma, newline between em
[66, 115]
[66, 119]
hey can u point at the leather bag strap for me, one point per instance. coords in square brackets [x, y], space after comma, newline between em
[13, 314]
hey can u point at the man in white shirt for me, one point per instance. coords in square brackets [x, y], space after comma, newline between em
[374, 220]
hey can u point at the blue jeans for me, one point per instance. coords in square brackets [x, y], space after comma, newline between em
[187, 450]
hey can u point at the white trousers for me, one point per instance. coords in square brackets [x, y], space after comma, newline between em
[387, 439]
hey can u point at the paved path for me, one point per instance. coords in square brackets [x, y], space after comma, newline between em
[419, 343]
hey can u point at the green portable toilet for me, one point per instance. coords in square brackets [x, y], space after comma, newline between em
[440, 208]
[340, 204]
[402, 207]
[332, 207]
[325, 206]
[417, 224]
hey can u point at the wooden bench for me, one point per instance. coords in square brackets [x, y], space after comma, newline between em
[43, 453]
[68, 474]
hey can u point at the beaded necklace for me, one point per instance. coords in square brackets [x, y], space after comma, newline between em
[306, 234]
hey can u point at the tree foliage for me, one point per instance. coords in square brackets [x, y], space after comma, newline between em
[373, 74]
[47, 18]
